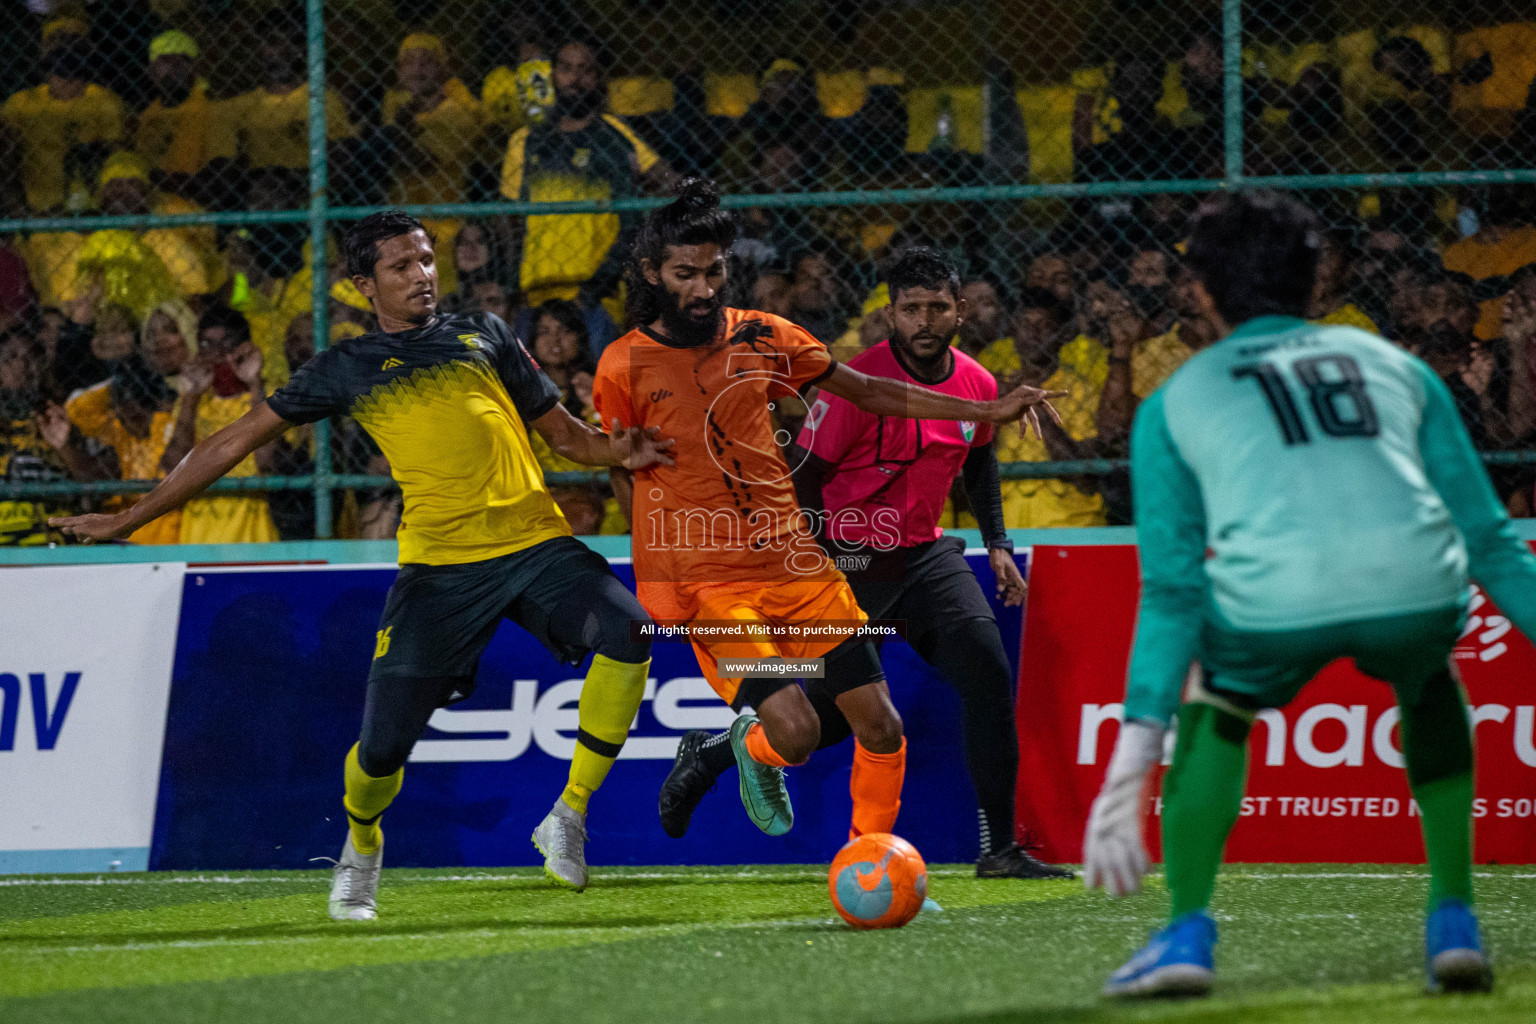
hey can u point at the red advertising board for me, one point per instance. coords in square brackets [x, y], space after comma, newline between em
[1325, 774]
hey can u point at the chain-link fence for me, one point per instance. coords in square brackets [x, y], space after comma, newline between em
[173, 174]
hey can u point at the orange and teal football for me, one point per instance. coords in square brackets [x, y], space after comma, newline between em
[878, 881]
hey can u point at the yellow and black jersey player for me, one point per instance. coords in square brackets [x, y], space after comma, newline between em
[449, 400]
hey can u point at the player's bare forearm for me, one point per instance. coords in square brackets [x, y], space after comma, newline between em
[581, 442]
[885, 396]
[574, 439]
[206, 462]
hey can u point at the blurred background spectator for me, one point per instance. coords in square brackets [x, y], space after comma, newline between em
[218, 387]
[577, 152]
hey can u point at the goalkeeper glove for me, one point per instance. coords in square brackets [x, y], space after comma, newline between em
[1114, 854]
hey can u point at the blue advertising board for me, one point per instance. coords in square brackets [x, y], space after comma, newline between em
[267, 694]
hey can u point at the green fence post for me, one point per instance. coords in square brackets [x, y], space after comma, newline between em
[320, 291]
[1232, 80]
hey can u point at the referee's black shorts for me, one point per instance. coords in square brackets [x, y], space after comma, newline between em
[438, 619]
[928, 585]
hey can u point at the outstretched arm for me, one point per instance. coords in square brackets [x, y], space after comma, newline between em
[885, 396]
[631, 448]
[1496, 558]
[205, 463]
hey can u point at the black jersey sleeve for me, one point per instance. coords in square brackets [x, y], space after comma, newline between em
[314, 392]
[531, 391]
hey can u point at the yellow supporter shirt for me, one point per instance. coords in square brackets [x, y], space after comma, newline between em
[91, 413]
[269, 312]
[51, 258]
[1082, 370]
[1349, 315]
[25, 455]
[1480, 259]
[450, 134]
[1083, 355]
[179, 139]
[1154, 360]
[601, 161]
[1036, 504]
[187, 256]
[48, 129]
[225, 518]
[189, 253]
[272, 129]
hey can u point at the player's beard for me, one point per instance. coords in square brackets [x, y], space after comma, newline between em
[930, 368]
[692, 330]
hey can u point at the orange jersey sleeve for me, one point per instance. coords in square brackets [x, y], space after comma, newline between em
[807, 360]
[610, 387]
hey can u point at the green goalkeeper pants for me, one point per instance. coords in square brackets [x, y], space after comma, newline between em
[1245, 672]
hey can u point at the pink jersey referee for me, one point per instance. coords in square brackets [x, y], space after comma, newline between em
[877, 487]
[885, 480]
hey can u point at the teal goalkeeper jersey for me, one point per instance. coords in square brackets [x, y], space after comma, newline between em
[1294, 475]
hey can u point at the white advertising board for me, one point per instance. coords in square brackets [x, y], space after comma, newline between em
[85, 674]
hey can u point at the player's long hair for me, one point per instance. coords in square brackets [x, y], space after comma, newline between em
[693, 218]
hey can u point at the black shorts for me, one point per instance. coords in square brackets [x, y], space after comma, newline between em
[927, 585]
[438, 619]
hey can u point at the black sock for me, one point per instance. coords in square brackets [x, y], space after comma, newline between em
[972, 660]
[993, 840]
[717, 755]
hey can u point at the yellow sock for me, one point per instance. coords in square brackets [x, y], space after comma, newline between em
[610, 698]
[365, 800]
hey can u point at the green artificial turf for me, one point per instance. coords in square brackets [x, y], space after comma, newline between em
[720, 944]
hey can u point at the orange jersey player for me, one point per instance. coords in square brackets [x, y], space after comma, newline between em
[720, 542]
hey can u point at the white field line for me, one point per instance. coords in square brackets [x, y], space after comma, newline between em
[317, 879]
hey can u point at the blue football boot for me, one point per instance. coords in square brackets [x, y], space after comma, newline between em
[1453, 950]
[1176, 962]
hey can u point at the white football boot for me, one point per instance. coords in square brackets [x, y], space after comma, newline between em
[562, 838]
[355, 884]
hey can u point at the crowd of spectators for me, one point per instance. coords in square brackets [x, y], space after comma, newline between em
[121, 348]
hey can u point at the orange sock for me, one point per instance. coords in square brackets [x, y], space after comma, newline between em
[761, 750]
[876, 788]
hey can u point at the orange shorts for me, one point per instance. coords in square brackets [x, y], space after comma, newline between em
[779, 605]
